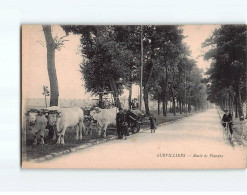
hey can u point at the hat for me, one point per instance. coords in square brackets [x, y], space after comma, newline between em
[225, 110]
[120, 108]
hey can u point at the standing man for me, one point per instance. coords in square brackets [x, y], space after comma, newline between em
[121, 126]
[136, 104]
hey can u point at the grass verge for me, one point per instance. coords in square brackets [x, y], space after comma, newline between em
[33, 152]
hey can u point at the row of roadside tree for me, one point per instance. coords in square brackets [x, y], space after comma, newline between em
[227, 74]
[112, 61]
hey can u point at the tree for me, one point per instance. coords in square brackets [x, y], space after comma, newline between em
[227, 73]
[162, 46]
[170, 64]
[197, 91]
[107, 60]
[52, 45]
[129, 36]
[112, 53]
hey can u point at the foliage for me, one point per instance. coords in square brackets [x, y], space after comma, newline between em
[113, 52]
[227, 73]
[107, 60]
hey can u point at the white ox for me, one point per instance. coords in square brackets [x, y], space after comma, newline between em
[33, 113]
[64, 118]
[38, 129]
[104, 117]
[37, 122]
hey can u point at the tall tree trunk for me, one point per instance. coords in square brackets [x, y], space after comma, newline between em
[229, 103]
[223, 105]
[228, 100]
[164, 107]
[130, 95]
[145, 98]
[180, 107]
[173, 103]
[185, 107]
[189, 106]
[158, 106]
[166, 95]
[240, 108]
[166, 103]
[50, 44]
[101, 100]
[246, 110]
[146, 86]
[115, 92]
[176, 105]
[236, 110]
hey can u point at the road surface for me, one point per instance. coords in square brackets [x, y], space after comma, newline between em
[193, 142]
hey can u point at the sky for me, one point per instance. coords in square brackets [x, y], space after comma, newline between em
[67, 60]
[195, 36]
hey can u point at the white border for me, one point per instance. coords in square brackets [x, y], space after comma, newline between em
[15, 13]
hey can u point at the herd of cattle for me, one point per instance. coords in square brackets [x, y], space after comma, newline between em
[57, 120]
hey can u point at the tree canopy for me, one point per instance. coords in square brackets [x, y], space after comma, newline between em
[227, 73]
[113, 53]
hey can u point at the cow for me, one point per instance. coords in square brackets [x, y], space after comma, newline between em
[32, 114]
[39, 129]
[104, 117]
[64, 118]
[37, 123]
[35, 126]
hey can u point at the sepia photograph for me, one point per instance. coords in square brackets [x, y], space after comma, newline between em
[133, 96]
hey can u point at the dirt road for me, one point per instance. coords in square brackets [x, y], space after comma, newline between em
[193, 142]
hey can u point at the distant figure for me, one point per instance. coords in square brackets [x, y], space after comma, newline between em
[121, 124]
[152, 123]
[134, 104]
[227, 117]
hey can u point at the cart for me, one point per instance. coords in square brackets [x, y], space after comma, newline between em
[134, 119]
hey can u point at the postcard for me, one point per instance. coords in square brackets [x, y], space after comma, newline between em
[134, 96]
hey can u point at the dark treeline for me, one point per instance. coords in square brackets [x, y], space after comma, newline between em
[227, 74]
[112, 60]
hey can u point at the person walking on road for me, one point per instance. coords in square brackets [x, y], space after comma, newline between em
[152, 123]
[121, 124]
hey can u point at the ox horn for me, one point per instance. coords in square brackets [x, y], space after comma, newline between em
[32, 110]
[44, 111]
[27, 113]
[55, 112]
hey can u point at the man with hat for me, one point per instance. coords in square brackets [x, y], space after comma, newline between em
[121, 124]
[227, 118]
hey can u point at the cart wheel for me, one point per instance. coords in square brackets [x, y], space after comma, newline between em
[137, 128]
[133, 130]
[127, 131]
